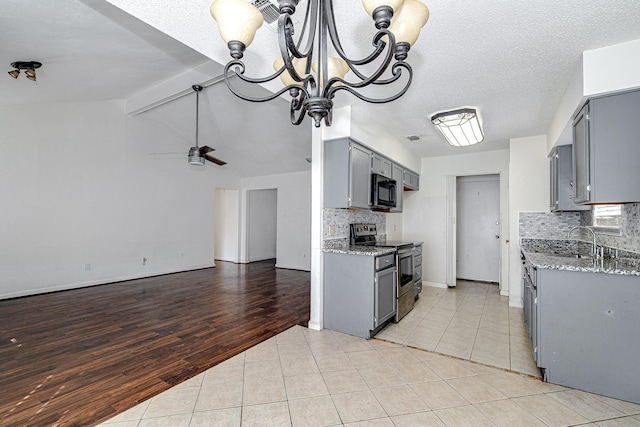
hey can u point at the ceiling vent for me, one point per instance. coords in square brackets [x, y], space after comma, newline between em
[269, 10]
[413, 138]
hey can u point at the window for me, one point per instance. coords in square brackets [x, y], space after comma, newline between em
[607, 219]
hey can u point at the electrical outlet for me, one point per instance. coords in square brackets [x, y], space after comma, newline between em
[144, 261]
[87, 267]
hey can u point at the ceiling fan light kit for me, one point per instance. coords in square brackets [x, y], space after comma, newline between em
[460, 127]
[198, 155]
[28, 66]
[310, 75]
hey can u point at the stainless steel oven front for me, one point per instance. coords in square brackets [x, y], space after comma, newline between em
[406, 287]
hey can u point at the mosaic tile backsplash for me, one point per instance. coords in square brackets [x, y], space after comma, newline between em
[335, 222]
[630, 227]
[549, 225]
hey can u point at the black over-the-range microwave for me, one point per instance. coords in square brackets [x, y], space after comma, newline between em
[383, 192]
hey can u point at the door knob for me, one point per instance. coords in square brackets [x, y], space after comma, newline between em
[497, 237]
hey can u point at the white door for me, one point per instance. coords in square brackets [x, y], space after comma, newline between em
[478, 228]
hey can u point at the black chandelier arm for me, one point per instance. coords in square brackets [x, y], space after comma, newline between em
[239, 72]
[298, 109]
[240, 69]
[351, 88]
[396, 73]
[373, 78]
[289, 46]
[379, 45]
[377, 41]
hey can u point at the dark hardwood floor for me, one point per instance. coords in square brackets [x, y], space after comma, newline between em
[79, 357]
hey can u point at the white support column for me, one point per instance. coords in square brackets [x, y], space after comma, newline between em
[317, 283]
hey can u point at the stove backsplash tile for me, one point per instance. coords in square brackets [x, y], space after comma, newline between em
[335, 222]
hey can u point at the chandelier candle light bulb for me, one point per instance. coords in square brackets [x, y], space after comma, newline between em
[336, 68]
[238, 22]
[406, 25]
[310, 76]
[300, 65]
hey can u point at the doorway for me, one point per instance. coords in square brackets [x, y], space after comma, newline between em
[226, 224]
[478, 228]
[262, 213]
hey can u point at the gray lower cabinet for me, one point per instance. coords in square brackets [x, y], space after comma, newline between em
[417, 267]
[561, 190]
[606, 149]
[347, 174]
[587, 331]
[358, 300]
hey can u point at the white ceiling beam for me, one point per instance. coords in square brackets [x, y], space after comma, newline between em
[204, 75]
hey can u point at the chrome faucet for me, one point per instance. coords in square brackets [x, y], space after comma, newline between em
[594, 251]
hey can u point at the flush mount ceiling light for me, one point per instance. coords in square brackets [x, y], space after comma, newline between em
[309, 74]
[460, 127]
[28, 66]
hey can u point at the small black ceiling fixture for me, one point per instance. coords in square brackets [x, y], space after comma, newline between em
[28, 66]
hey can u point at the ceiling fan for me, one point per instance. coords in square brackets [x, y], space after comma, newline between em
[197, 155]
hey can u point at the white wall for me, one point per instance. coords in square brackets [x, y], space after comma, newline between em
[294, 217]
[393, 226]
[262, 211]
[605, 70]
[528, 192]
[84, 203]
[425, 211]
[227, 225]
[348, 122]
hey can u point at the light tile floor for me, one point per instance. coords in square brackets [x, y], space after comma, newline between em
[312, 378]
[471, 321]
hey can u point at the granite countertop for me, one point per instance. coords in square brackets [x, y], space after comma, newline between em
[359, 250]
[625, 266]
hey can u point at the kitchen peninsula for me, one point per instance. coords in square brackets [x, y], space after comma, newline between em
[582, 317]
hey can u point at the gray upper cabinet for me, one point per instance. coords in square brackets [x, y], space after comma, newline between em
[606, 149]
[397, 173]
[411, 180]
[348, 166]
[347, 174]
[561, 180]
[380, 165]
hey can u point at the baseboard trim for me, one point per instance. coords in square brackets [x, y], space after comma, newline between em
[435, 284]
[106, 281]
[316, 326]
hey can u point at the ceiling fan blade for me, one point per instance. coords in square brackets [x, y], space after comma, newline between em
[204, 149]
[214, 160]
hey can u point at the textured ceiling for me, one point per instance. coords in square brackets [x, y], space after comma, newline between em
[511, 59]
[92, 51]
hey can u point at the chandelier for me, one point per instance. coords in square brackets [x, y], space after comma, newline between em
[309, 74]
